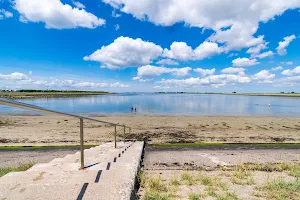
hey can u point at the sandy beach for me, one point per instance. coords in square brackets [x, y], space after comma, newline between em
[59, 130]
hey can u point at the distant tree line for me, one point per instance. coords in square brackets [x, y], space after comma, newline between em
[53, 91]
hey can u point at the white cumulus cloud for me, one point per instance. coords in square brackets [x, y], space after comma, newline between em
[205, 72]
[5, 14]
[290, 72]
[117, 27]
[264, 76]
[181, 51]
[150, 71]
[213, 80]
[126, 52]
[167, 62]
[232, 70]
[234, 22]
[14, 76]
[281, 49]
[287, 63]
[55, 14]
[265, 54]
[277, 68]
[78, 4]
[257, 49]
[244, 62]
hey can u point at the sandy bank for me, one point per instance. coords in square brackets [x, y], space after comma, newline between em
[53, 129]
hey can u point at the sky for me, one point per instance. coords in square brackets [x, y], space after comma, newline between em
[150, 45]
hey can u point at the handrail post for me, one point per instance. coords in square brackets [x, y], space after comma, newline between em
[115, 136]
[81, 145]
[124, 133]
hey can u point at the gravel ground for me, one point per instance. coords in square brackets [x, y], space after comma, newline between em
[13, 157]
[190, 158]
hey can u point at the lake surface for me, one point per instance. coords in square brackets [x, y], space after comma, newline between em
[168, 104]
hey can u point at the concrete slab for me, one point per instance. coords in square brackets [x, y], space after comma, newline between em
[110, 175]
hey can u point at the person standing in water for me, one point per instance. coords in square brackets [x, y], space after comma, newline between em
[135, 109]
[131, 109]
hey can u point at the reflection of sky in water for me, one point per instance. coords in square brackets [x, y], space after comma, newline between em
[169, 104]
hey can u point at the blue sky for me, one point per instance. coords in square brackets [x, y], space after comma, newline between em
[153, 45]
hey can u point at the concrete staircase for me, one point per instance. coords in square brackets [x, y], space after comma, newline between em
[110, 174]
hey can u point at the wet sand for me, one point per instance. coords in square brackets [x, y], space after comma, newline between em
[59, 130]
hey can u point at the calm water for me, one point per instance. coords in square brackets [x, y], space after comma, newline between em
[169, 104]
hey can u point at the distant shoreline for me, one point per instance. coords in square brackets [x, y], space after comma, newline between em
[267, 94]
[55, 94]
[241, 94]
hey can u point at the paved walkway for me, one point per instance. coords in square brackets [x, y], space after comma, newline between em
[110, 174]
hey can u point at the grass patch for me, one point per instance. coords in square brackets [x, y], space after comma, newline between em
[174, 181]
[206, 180]
[156, 184]
[156, 196]
[194, 196]
[293, 169]
[227, 196]
[281, 189]
[211, 191]
[5, 122]
[242, 176]
[156, 189]
[185, 176]
[19, 167]
[141, 178]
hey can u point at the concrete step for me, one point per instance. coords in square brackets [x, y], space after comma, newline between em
[41, 177]
[40, 191]
[112, 178]
[120, 178]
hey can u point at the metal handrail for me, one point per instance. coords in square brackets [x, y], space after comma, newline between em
[81, 118]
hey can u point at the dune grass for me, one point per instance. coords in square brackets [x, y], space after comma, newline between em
[5, 122]
[17, 168]
[222, 185]
[281, 189]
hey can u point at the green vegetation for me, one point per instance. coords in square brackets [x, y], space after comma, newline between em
[156, 196]
[196, 196]
[185, 176]
[206, 180]
[242, 177]
[197, 185]
[281, 189]
[156, 189]
[17, 168]
[5, 122]
[20, 94]
[228, 196]
[293, 169]
[174, 181]
[211, 191]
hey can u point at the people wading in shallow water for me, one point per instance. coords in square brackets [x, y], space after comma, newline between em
[135, 109]
[131, 109]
